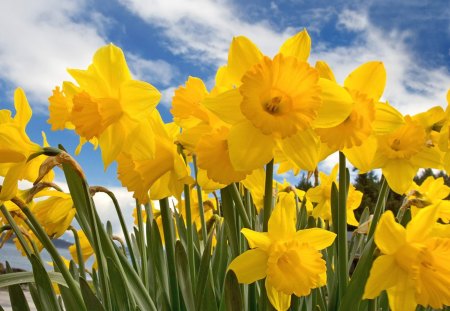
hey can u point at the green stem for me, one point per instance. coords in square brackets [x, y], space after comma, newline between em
[166, 215]
[342, 228]
[268, 195]
[142, 248]
[379, 207]
[81, 267]
[200, 203]
[240, 205]
[190, 239]
[47, 243]
[124, 228]
[17, 231]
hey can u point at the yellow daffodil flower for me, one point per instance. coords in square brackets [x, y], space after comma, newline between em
[322, 196]
[290, 260]
[107, 104]
[55, 213]
[413, 266]
[86, 249]
[431, 191]
[164, 174]
[16, 147]
[444, 136]
[204, 134]
[275, 102]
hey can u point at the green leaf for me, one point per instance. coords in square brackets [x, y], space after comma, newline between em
[16, 295]
[184, 279]
[27, 277]
[203, 274]
[118, 287]
[233, 298]
[91, 301]
[35, 295]
[44, 286]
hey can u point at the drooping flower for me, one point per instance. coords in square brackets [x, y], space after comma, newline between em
[55, 213]
[413, 267]
[431, 191]
[290, 260]
[107, 104]
[321, 195]
[275, 102]
[16, 147]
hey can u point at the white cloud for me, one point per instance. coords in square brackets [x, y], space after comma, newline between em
[152, 71]
[39, 39]
[203, 29]
[167, 95]
[410, 87]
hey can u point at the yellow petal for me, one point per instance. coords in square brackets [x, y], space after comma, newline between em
[298, 46]
[138, 98]
[109, 62]
[389, 235]
[399, 174]
[302, 148]
[383, 275]
[226, 105]
[387, 118]
[250, 266]
[256, 239]
[402, 296]
[362, 156]
[316, 237]
[369, 79]
[336, 105]
[279, 300]
[249, 148]
[282, 222]
[23, 109]
[242, 55]
[111, 142]
[325, 70]
[420, 227]
[9, 187]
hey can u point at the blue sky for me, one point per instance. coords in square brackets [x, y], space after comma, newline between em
[165, 41]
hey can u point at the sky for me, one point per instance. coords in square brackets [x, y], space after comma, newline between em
[165, 41]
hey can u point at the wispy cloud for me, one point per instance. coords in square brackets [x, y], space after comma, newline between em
[202, 29]
[410, 87]
[39, 39]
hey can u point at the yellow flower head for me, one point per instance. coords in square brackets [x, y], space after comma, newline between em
[290, 260]
[413, 267]
[16, 147]
[86, 249]
[107, 104]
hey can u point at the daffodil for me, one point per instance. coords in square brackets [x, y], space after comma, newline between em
[209, 206]
[204, 134]
[86, 249]
[431, 191]
[16, 147]
[321, 195]
[275, 102]
[290, 260]
[107, 104]
[413, 266]
[55, 213]
[163, 175]
[444, 136]
[365, 85]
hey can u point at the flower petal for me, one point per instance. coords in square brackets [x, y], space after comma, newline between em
[250, 266]
[138, 98]
[257, 239]
[325, 70]
[282, 222]
[387, 118]
[362, 156]
[383, 275]
[399, 174]
[242, 55]
[23, 109]
[369, 78]
[298, 46]
[249, 148]
[226, 105]
[279, 300]
[302, 148]
[389, 235]
[111, 142]
[9, 187]
[420, 227]
[336, 105]
[316, 237]
[402, 296]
